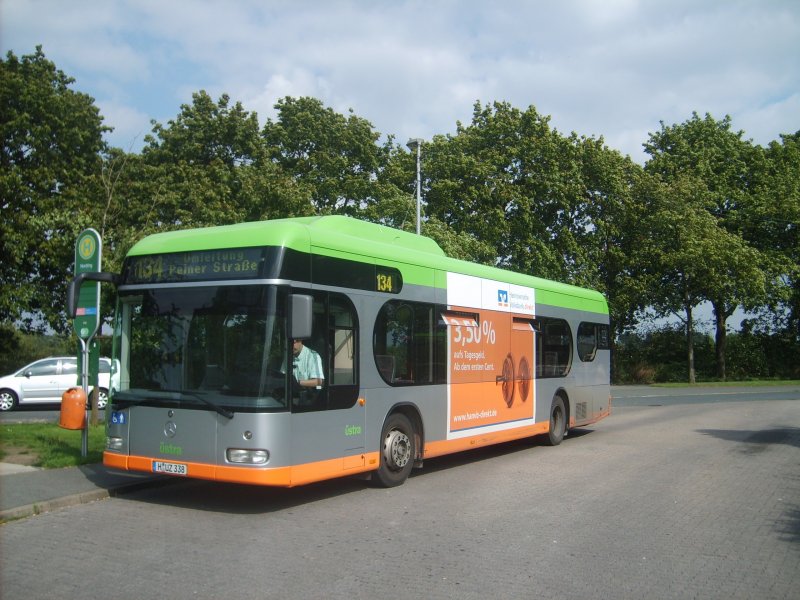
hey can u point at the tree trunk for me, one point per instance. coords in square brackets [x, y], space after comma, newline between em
[690, 342]
[721, 338]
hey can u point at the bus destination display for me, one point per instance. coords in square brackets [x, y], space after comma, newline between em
[203, 265]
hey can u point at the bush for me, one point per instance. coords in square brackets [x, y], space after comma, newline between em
[19, 349]
[659, 355]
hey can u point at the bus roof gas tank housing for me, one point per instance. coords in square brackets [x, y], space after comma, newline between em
[304, 234]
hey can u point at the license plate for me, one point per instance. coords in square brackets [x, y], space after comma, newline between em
[169, 468]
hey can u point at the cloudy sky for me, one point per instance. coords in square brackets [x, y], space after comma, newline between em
[414, 68]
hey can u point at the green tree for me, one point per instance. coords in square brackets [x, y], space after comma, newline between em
[773, 222]
[495, 180]
[559, 207]
[674, 261]
[719, 166]
[52, 137]
[210, 166]
[608, 230]
[337, 157]
[395, 206]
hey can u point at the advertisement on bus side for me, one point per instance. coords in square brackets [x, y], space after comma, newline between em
[490, 355]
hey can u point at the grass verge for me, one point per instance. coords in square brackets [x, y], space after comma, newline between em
[50, 446]
[751, 383]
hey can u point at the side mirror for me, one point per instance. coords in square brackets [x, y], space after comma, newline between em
[301, 307]
[74, 288]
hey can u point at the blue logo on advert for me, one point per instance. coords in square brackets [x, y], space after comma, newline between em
[502, 298]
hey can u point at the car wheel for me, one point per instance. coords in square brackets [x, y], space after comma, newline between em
[102, 398]
[8, 400]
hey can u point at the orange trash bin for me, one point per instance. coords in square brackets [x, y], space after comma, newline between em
[73, 409]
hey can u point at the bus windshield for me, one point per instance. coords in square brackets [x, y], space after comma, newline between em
[214, 347]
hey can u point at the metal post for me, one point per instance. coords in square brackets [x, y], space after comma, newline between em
[419, 188]
[85, 385]
[417, 143]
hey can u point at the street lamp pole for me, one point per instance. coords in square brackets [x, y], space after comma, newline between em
[412, 144]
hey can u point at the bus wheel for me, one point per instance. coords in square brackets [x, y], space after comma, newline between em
[558, 422]
[397, 452]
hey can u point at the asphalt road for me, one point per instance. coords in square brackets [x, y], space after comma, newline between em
[641, 395]
[697, 499]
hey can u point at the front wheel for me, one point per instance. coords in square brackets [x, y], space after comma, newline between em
[558, 422]
[8, 400]
[102, 398]
[398, 451]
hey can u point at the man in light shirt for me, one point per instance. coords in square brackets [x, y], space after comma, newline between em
[306, 366]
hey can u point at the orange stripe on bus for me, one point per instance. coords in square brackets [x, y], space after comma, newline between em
[442, 447]
[278, 476]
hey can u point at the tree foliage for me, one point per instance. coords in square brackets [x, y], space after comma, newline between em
[338, 157]
[711, 171]
[773, 225]
[213, 168]
[51, 149]
[710, 218]
[559, 207]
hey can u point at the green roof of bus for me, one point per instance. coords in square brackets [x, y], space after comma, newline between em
[349, 238]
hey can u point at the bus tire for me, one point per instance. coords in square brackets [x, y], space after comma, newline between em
[558, 422]
[397, 452]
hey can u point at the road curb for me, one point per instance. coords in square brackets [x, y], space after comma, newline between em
[37, 508]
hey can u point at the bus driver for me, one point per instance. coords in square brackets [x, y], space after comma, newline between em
[306, 366]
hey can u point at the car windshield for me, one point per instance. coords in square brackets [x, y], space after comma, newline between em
[215, 347]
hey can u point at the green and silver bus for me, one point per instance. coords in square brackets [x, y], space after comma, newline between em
[422, 355]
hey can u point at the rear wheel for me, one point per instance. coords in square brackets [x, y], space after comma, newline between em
[8, 400]
[398, 452]
[558, 422]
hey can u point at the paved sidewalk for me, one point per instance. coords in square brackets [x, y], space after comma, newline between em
[27, 491]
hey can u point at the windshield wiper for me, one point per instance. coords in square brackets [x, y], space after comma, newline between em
[220, 409]
[128, 399]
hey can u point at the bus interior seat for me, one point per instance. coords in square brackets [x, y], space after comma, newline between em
[386, 366]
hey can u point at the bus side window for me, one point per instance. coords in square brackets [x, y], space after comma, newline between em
[553, 347]
[409, 343]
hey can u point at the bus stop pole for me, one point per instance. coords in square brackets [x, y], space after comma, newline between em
[85, 386]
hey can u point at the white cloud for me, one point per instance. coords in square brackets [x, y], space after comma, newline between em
[130, 125]
[413, 68]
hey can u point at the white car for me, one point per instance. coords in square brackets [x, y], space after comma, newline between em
[45, 381]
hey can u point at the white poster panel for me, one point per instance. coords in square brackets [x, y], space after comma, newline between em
[487, 294]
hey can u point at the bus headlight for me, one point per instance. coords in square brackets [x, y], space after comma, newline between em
[113, 443]
[247, 457]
